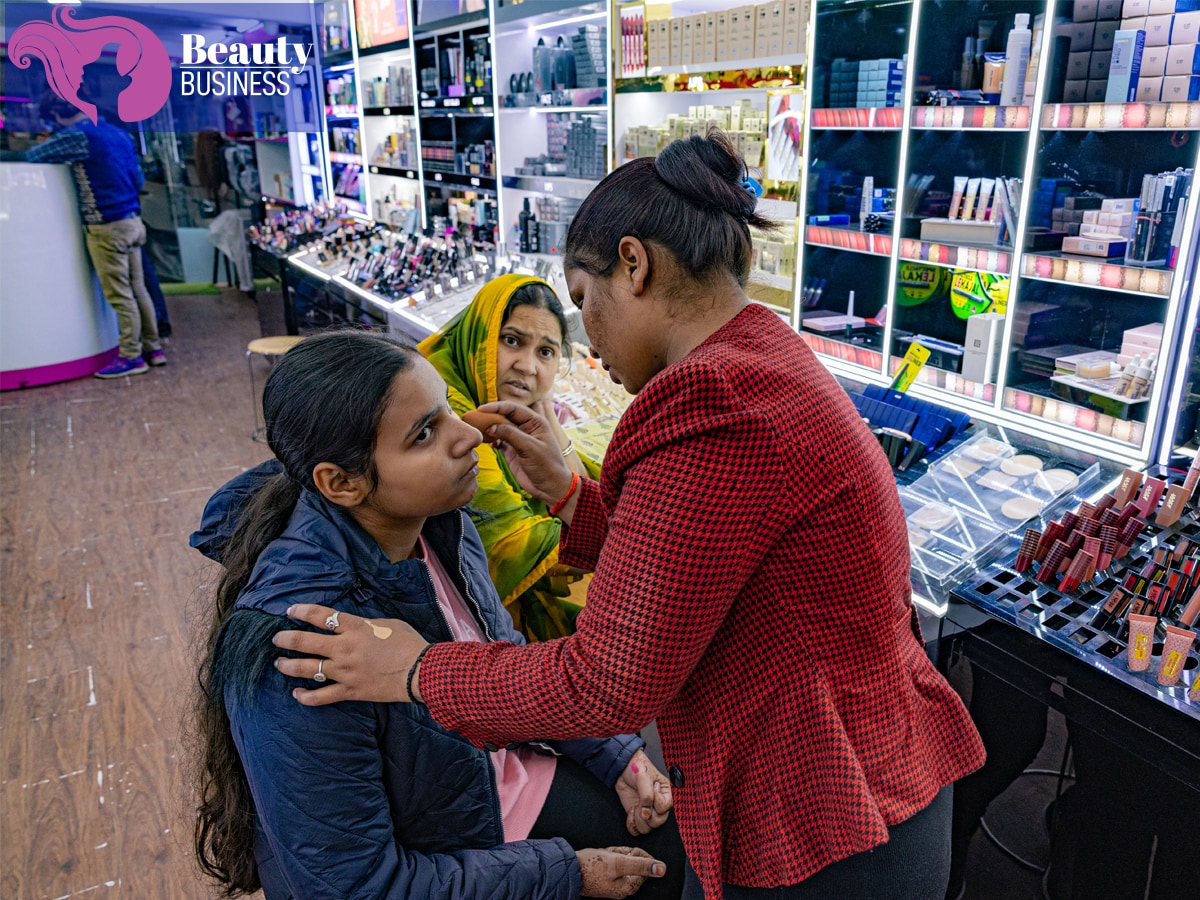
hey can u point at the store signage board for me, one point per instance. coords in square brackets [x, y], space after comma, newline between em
[209, 65]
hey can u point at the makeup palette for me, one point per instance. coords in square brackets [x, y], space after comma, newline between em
[970, 501]
[1086, 608]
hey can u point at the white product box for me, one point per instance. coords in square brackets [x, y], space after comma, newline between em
[1085, 10]
[1098, 70]
[1108, 10]
[1180, 89]
[1134, 23]
[1132, 8]
[1154, 62]
[1183, 59]
[1186, 29]
[1097, 90]
[762, 29]
[1158, 30]
[1161, 8]
[1149, 90]
[677, 41]
[1081, 34]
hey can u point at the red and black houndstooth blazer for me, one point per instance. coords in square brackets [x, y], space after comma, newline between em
[751, 593]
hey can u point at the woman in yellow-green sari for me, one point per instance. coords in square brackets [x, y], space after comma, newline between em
[507, 346]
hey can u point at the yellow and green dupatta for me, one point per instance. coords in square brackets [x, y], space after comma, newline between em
[519, 535]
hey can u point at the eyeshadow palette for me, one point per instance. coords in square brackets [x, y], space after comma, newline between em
[961, 511]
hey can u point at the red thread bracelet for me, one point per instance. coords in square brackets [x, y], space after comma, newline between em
[554, 510]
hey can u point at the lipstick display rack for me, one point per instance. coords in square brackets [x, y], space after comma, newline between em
[1074, 620]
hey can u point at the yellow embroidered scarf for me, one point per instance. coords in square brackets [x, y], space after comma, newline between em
[519, 535]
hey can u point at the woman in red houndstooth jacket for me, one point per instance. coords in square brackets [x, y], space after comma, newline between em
[751, 573]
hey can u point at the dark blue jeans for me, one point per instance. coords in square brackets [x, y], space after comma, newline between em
[913, 865]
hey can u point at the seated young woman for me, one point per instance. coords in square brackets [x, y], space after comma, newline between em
[364, 512]
[507, 345]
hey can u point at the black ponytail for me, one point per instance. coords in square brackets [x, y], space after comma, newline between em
[690, 200]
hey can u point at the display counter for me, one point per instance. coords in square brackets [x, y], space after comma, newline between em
[54, 322]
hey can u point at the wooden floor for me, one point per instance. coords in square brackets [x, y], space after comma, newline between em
[100, 484]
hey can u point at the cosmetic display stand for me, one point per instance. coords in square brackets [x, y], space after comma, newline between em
[976, 207]
[682, 66]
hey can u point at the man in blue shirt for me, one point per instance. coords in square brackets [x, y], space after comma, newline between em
[109, 177]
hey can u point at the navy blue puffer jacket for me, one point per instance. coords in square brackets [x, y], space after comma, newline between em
[374, 799]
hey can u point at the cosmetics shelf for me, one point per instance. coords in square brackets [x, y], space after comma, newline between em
[715, 69]
[952, 383]
[574, 188]
[1120, 116]
[466, 105]
[389, 111]
[1102, 388]
[408, 174]
[1095, 273]
[569, 100]
[859, 118]
[874, 244]
[972, 118]
[867, 359]
[473, 182]
[1074, 621]
[1036, 403]
[992, 260]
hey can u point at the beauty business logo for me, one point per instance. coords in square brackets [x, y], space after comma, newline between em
[240, 69]
[67, 45]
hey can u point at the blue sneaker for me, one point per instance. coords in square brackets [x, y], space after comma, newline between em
[122, 366]
[156, 358]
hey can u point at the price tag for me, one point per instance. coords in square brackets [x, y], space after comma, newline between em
[374, 170]
[545, 99]
[454, 283]
[451, 101]
[474, 182]
[469, 276]
[410, 175]
[437, 176]
[387, 111]
[418, 297]
[437, 289]
[549, 187]
[428, 103]
[478, 101]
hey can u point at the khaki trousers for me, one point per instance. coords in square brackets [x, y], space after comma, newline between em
[116, 252]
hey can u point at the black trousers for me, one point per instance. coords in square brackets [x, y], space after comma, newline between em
[913, 865]
[587, 814]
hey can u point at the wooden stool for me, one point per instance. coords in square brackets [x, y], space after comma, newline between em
[270, 348]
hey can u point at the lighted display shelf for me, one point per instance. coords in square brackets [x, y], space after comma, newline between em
[860, 119]
[875, 244]
[1098, 273]
[983, 118]
[981, 259]
[1120, 116]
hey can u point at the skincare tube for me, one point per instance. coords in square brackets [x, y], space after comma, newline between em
[1141, 641]
[1194, 690]
[985, 198]
[969, 204]
[993, 77]
[1174, 654]
[960, 185]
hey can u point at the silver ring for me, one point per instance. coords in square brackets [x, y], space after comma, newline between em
[320, 677]
[331, 624]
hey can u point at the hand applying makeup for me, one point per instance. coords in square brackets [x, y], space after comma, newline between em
[366, 659]
[532, 452]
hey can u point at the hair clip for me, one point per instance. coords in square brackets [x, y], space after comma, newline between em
[752, 186]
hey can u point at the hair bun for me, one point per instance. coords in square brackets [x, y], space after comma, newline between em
[708, 172]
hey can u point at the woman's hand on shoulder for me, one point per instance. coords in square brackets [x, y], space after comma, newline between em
[616, 871]
[645, 793]
[365, 659]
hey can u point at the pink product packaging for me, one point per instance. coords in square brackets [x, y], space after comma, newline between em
[1174, 655]
[1141, 641]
